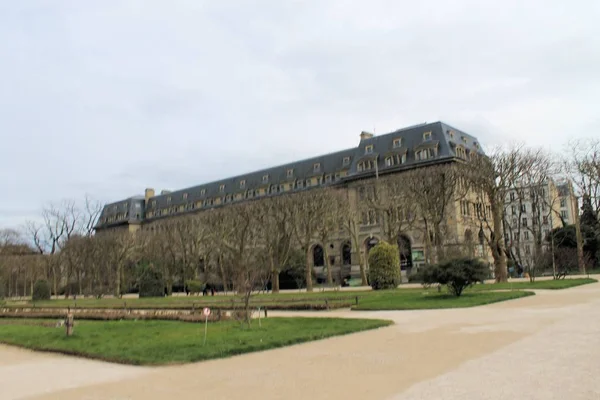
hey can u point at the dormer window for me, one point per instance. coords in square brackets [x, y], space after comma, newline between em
[397, 143]
[290, 173]
[316, 167]
[425, 154]
[265, 178]
[365, 165]
[153, 203]
[369, 149]
[476, 145]
[185, 196]
[327, 178]
[389, 161]
[202, 192]
[427, 136]
[168, 199]
[222, 188]
[346, 161]
[464, 139]
[450, 133]
[300, 184]
[242, 184]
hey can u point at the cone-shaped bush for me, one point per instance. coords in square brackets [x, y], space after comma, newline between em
[384, 266]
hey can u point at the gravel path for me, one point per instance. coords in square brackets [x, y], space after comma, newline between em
[540, 347]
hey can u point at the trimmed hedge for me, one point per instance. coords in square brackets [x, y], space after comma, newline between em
[384, 266]
[41, 290]
[457, 274]
[194, 286]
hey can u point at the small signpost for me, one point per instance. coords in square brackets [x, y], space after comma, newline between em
[206, 313]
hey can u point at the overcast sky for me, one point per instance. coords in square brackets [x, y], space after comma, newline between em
[110, 97]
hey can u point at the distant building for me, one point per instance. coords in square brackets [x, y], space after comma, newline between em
[532, 212]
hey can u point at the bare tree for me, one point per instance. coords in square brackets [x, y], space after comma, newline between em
[351, 224]
[492, 177]
[276, 214]
[435, 191]
[308, 211]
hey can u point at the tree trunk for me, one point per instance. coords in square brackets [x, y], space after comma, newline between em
[500, 271]
[118, 281]
[328, 266]
[274, 277]
[309, 284]
[579, 237]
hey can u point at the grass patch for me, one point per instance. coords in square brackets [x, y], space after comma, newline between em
[431, 299]
[167, 342]
[545, 284]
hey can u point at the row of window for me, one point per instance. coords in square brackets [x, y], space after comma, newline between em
[118, 217]
[469, 209]
[299, 184]
[525, 234]
[248, 194]
[533, 194]
[396, 159]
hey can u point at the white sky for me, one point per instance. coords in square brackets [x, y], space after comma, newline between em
[109, 97]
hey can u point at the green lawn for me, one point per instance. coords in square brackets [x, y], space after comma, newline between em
[166, 342]
[545, 284]
[340, 298]
[431, 299]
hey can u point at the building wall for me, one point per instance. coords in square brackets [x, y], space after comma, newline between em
[557, 204]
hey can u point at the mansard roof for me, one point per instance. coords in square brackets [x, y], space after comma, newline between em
[411, 139]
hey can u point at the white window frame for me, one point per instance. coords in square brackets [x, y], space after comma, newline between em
[369, 149]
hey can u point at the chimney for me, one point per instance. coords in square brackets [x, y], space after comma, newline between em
[365, 135]
[148, 193]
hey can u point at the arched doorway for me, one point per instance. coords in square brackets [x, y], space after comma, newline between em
[318, 258]
[346, 253]
[370, 242]
[405, 251]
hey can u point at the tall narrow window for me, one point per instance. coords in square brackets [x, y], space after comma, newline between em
[316, 167]
[222, 188]
[290, 173]
[242, 184]
[369, 149]
[265, 178]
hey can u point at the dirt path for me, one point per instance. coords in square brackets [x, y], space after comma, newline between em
[477, 353]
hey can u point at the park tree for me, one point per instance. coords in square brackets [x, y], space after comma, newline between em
[435, 190]
[349, 207]
[277, 214]
[492, 178]
[308, 210]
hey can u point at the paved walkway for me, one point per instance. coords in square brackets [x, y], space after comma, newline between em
[540, 347]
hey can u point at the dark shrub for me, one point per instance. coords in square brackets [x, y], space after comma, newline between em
[151, 282]
[384, 266]
[41, 290]
[457, 274]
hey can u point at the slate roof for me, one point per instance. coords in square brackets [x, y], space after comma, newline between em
[443, 136]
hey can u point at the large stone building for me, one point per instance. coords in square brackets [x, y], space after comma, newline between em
[374, 157]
